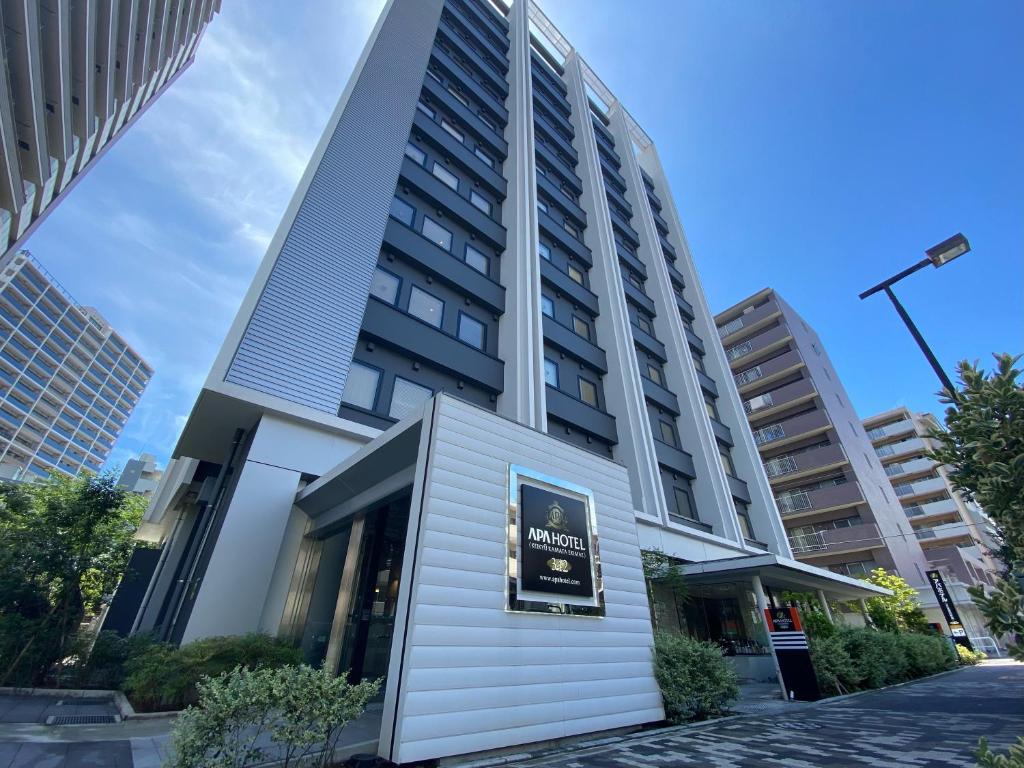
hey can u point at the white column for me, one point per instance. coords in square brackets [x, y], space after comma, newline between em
[623, 389]
[762, 605]
[520, 337]
[824, 604]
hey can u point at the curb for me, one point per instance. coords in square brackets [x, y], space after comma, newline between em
[118, 699]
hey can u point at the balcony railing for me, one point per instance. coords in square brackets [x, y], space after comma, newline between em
[812, 459]
[749, 375]
[820, 499]
[943, 507]
[769, 434]
[925, 485]
[888, 430]
[738, 351]
[848, 539]
[730, 328]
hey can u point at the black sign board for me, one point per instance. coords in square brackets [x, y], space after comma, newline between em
[948, 608]
[556, 556]
[789, 643]
[782, 620]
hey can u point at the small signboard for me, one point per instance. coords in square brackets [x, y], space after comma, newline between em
[789, 643]
[554, 563]
[948, 608]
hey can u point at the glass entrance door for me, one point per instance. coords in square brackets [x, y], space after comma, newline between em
[371, 620]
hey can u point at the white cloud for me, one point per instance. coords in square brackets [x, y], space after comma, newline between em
[165, 233]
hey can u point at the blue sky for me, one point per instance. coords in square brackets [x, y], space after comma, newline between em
[813, 147]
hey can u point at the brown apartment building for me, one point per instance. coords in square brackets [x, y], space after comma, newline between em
[835, 499]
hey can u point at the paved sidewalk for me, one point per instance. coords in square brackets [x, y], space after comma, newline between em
[933, 723]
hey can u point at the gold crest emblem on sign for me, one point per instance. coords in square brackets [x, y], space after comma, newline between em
[556, 564]
[557, 518]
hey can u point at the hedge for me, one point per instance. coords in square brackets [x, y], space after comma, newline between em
[695, 679]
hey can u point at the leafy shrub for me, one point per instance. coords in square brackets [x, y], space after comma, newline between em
[695, 679]
[836, 670]
[860, 658]
[817, 624]
[967, 656]
[303, 710]
[989, 759]
[104, 665]
[163, 677]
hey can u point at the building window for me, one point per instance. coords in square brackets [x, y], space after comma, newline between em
[427, 308]
[407, 398]
[426, 110]
[654, 374]
[384, 286]
[683, 497]
[361, 386]
[542, 206]
[727, 463]
[477, 260]
[571, 229]
[446, 176]
[471, 331]
[402, 211]
[698, 362]
[484, 156]
[544, 251]
[480, 202]
[547, 306]
[435, 76]
[711, 408]
[415, 154]
[437, 234]
[551, 372]
[574, 274]
[588, 392]
[668, 433]
[743, 516]
[581, 327]
[458, 96]
[644, 324]
[455, 132]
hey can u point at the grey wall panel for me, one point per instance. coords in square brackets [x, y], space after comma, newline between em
[302, 333]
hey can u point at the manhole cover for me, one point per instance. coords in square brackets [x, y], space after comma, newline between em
[84, 701]
[82, 719]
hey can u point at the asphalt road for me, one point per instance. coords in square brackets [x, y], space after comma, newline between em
[933, 723]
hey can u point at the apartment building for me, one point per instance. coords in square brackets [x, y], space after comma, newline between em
[955, 534]
[76, 76]
[480, 297]
[834, 497]
[68, 381]
[141, 475]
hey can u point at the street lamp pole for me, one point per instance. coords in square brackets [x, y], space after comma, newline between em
[943, 253]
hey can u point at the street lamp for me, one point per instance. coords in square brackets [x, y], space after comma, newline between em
[937, 256]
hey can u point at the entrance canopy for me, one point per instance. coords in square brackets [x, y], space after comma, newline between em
[780, 573]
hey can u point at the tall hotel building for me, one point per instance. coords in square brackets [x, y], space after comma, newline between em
[68, 381]
[76, 76]
[473, 377]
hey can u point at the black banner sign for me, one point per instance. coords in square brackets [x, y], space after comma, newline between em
[948, 608]
[556, 557]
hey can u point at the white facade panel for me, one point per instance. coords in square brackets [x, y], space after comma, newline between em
[475, 676]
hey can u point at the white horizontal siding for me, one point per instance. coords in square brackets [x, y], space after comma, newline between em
[477, 677]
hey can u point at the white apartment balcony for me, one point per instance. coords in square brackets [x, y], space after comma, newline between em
[926, 487]
[836, 541]
[803, 503]
[935, 509]
[901, 448]
[904, 427]
[796, 465]
[943, 535]
[907, 469]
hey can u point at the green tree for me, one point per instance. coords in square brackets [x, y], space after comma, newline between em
[983, 445]
[898, 612]
[65, 544]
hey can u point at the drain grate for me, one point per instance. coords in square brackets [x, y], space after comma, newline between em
[85, 701]
[82, 719]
